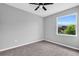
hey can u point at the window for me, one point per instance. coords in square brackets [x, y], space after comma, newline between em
[67, 25]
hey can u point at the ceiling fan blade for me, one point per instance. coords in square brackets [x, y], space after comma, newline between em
[44, 8]
[37, 7]
[34, 3]
[48, 3]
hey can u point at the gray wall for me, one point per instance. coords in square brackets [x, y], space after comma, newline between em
[18, 27]
[50, 29]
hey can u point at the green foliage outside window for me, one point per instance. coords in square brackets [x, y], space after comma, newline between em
[70, 30]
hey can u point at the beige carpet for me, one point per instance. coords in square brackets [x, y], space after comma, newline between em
[41, 48]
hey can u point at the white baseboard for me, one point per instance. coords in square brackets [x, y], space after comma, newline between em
[38, 41]
[63, 45]
[19, 45]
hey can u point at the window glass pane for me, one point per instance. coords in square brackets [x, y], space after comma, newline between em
[66, 25]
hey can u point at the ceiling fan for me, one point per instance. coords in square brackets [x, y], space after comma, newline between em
[41, 4]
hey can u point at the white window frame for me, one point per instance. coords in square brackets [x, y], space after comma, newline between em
[65, 16]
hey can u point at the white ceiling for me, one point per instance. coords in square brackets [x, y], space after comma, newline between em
[51, 9]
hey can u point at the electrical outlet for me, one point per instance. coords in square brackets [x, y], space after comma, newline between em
[15, 41]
